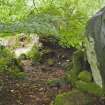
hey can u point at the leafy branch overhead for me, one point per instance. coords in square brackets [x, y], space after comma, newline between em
[65, 18]
[36, 24]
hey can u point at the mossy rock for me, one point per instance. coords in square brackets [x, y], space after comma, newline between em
[85, 76]
[89, 87]
[75, 97]
[50, 62]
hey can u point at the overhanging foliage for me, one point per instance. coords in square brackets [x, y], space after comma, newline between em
[65, 18]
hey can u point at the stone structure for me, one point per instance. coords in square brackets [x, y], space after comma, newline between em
[95, 46]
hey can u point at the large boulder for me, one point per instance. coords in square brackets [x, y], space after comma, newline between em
[95, 46]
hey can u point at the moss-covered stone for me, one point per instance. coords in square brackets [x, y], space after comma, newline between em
[89, 87]
[50, 62]
[85, 76]
[74, 97]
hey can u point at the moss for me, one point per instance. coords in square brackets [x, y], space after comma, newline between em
[89, 87]
[17, 74]
[72, 75]
[69, 66]
[50, 62]
[57, 82]
[6, 59]
[74, 97]
[22, 57]
[9, 64]
[77, 57]
[85, 76]
[34, 54]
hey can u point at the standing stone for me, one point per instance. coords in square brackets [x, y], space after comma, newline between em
[95, 46]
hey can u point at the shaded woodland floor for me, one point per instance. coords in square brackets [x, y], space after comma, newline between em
[34, 89]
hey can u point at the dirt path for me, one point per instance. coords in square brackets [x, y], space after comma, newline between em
[35, 90]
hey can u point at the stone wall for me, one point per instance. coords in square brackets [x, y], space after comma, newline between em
[95, 46]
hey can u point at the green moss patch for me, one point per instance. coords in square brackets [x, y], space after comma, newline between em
[74, 97]
[9, 64]
[89, 87]
[34, 54]
[85, 76]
